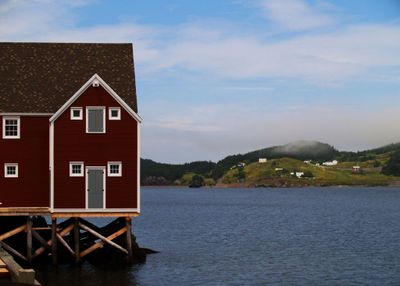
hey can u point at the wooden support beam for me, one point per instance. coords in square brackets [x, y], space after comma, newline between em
[41, 240]
[101, 243]
[63, 242]
[62, 233]
[12, 232]
[103, 238]
[29, 239]
[54, 240]
[128, 226]
[77, 240]
[12, 250]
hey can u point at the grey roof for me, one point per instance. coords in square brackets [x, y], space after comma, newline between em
[41, 77]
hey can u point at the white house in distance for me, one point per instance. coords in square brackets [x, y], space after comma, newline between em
[330, 163]
[262, 160]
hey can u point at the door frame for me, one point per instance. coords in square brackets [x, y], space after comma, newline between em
[87, 184]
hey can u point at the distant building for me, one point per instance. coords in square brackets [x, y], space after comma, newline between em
[262, 160]
[330, 163]
[299, 174]
[307, 161]
[278, 169]
[356, 169]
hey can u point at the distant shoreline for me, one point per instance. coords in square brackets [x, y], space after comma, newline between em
[236, 186]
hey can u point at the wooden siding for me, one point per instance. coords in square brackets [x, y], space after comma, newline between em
[31, 152]
[72, 143]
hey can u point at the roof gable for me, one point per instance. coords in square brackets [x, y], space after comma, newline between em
[95, 79]
[42, 77]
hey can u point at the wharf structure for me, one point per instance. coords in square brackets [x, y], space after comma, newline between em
[69, 149]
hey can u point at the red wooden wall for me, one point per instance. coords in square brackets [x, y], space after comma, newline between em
[31, 152]
[72, 143]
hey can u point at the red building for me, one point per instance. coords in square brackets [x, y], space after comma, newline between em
[70, 130]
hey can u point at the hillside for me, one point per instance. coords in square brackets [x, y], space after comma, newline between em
[222, 172]
[282, 173]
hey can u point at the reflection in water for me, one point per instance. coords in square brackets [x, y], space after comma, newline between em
[86, 274]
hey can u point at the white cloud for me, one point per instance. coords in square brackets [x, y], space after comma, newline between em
[219, 50]
[295, 15]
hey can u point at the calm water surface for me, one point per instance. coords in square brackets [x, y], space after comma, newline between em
[316, 236]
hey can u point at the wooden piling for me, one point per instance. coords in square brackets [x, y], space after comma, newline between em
[76, 240]
[54, 240]
[128, 221]
[29, 239]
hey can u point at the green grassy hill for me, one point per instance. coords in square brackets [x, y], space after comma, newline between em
[290, 158]
[277, 172]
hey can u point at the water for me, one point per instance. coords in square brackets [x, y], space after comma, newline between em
[315, 236]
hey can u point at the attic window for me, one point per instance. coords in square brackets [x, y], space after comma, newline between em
[11, 127]
[76, 113]
[95, 119]
[114, 113]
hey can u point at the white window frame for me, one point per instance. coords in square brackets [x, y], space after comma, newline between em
[71, 174]
[109, 174]
[80, 117]
[110, 110]
[6, 175]
[18, 127]
[87, 118]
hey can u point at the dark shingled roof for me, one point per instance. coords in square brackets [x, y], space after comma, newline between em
[41, 77]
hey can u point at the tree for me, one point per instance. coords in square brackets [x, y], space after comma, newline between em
[392, 167]
[197, 181]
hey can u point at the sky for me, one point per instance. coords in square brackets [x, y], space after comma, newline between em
[221, 77]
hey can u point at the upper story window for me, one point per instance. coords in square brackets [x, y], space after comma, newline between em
[114, 113]
[11, 170]
[76, 113]
[11, 127]
[95, 120]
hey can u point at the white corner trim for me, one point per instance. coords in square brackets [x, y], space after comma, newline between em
[93, 79]
[138, 167]
[18, 127]
[51, 165]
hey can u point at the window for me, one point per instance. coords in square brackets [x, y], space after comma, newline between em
[11, 170]
[76, 169]
[114, 169]
[95, 120]
[76, 113]
[114, 113]
[11, 127]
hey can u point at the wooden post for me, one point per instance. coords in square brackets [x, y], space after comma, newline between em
[76, 240]
[29, 239]
[128, 221]
[54, 240]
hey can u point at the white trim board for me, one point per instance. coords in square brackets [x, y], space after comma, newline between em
[97, 80]
[25, 114]
[125, 210]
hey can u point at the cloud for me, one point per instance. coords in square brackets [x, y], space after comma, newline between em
[221, 50]
[295, 15]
